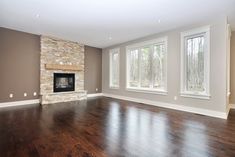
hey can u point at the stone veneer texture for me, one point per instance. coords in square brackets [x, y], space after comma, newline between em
[56, 51]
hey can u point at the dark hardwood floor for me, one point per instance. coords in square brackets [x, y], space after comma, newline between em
[105, 127]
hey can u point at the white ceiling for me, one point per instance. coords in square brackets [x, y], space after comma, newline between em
[102, 23]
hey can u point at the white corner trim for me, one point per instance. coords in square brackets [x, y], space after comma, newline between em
[94, 95]
[19, 103]
[206, 112]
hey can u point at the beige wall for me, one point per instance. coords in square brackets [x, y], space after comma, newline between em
[232, 69]
[20, 66]
[217, 69]
[93, 69]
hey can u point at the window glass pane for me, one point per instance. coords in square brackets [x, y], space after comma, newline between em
[115, 70]
[145, 68]
[158, 66]
[134, 69]
[195, 64]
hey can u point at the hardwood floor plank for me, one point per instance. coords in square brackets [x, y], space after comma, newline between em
[106, 127]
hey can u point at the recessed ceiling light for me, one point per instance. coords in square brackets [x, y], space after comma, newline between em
[37, 15]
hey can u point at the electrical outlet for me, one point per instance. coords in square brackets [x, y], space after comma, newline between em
[35, 94]
[11, 95]
[96, 89]
[25, 94]
[175, 97]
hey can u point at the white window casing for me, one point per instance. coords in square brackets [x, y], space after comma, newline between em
[146, 67]
[195, 63]
[114, 68]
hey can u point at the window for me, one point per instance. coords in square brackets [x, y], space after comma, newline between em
[114, 68]
[195, 63]
[146, 66]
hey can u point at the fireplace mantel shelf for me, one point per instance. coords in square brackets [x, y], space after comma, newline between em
[63, 67]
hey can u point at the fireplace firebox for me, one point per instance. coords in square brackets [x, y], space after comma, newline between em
[64, 82]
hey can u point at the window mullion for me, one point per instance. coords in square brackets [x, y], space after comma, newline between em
[151, 66]
[111, 69]
[118, 75]
[139, 67]
[185, 64]
[128, 69]
[206, 57]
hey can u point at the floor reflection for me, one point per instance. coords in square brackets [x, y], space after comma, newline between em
[130, 128]
[113, 129]
[195, 137]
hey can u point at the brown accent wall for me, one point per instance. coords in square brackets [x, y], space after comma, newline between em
[232, 69]
[19, 65]
[93, 69]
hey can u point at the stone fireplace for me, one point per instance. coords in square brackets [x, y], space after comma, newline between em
[61, 71]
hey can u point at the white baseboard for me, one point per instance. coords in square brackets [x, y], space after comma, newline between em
[206, 112]
[19, 103]
[94, 95]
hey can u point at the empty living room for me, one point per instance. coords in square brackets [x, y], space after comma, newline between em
[117, 78]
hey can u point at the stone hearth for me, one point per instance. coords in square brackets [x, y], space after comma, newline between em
[64, 54]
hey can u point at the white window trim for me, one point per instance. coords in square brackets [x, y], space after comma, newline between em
[183, 92]
[146, 90]
[139, 45]
[115, 50]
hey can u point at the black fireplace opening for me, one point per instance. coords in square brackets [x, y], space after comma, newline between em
[64, 82]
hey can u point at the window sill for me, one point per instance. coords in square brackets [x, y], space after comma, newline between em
[195, 95]
[114, 87]
[141, 90]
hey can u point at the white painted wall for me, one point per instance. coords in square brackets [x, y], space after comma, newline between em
[218, 77]
[228, 49]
